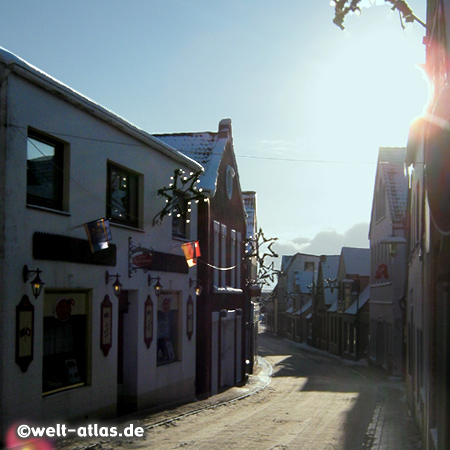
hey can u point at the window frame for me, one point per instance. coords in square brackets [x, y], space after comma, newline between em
[133, 209]
[60, 172]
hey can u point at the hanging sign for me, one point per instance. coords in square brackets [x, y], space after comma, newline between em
[99, 234]
[106, 325]
[24, 333]
[148, 321]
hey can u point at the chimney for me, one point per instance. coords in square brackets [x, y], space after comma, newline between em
[225, 128]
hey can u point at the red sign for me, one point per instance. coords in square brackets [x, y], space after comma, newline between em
[382, 272]
[63, 308]
[143, 260]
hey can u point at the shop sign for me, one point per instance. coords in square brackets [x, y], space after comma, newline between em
[148, 321]
[63, 308]
[106, 325]
[24, 333]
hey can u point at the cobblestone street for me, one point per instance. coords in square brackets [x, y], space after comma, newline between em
[313, 401]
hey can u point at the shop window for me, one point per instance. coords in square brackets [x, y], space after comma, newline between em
[123, 196]
[65, 353]
[168, 342]
[46, 171]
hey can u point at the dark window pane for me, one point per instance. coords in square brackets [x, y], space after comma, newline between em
[122, 196]
[44, 174]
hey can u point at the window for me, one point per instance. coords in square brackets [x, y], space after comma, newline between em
[223, 254]
[168, 343]
[45, 171]
[65, 356]
[123, 196]
[233, 258]
[216, 252]
[179, 228]
[309, 266]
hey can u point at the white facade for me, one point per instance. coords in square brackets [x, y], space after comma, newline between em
[93, 143]
[388, 261]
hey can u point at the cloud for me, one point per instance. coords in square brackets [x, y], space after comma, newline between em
[326, 242]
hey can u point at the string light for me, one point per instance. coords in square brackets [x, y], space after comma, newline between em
[179, 195]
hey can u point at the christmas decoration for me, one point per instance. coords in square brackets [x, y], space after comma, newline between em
[179, 195]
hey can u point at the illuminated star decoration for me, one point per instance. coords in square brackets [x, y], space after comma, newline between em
[266, 271]
[344, 7]
[179, 195]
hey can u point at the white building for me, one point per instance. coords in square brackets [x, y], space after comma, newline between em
[76, 351]
[388, 261]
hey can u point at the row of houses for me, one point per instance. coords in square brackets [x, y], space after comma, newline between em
[323, 301]
[406, 317]
[122, 258]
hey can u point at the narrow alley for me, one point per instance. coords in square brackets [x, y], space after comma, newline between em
[313, 401]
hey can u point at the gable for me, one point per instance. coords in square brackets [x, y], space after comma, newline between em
[391, 187]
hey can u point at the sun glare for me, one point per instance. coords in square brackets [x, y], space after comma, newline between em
[370, 90]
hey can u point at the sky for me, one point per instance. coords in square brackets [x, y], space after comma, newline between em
[310, 104]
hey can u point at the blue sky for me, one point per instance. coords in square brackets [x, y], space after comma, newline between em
[310, 104]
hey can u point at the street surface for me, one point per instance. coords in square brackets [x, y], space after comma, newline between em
[313, 401]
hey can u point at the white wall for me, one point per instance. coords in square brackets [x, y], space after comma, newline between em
[92, 142]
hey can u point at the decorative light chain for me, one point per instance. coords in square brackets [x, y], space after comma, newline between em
[179, 195]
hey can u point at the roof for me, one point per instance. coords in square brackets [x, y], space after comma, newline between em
[356, 260]
[391, 168]
[304, 279]
[333, 307]
[306, 307]
[289, 260]
[392, 164]
[207, 148]
[330, 265]
[363, 299]
[40, 78]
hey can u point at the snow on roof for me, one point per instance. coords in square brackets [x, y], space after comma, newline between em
[391, 163]
[330, 266]
[306, 307]
[250, 204]
[19, 65]
[304, 279]
[363, 299]
[285, 261]
[206, 148]
[356, 260]
[333, 307]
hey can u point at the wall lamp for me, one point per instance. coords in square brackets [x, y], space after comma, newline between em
[117, 285]
[198, 288]
[157, 286]
[36, 284]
